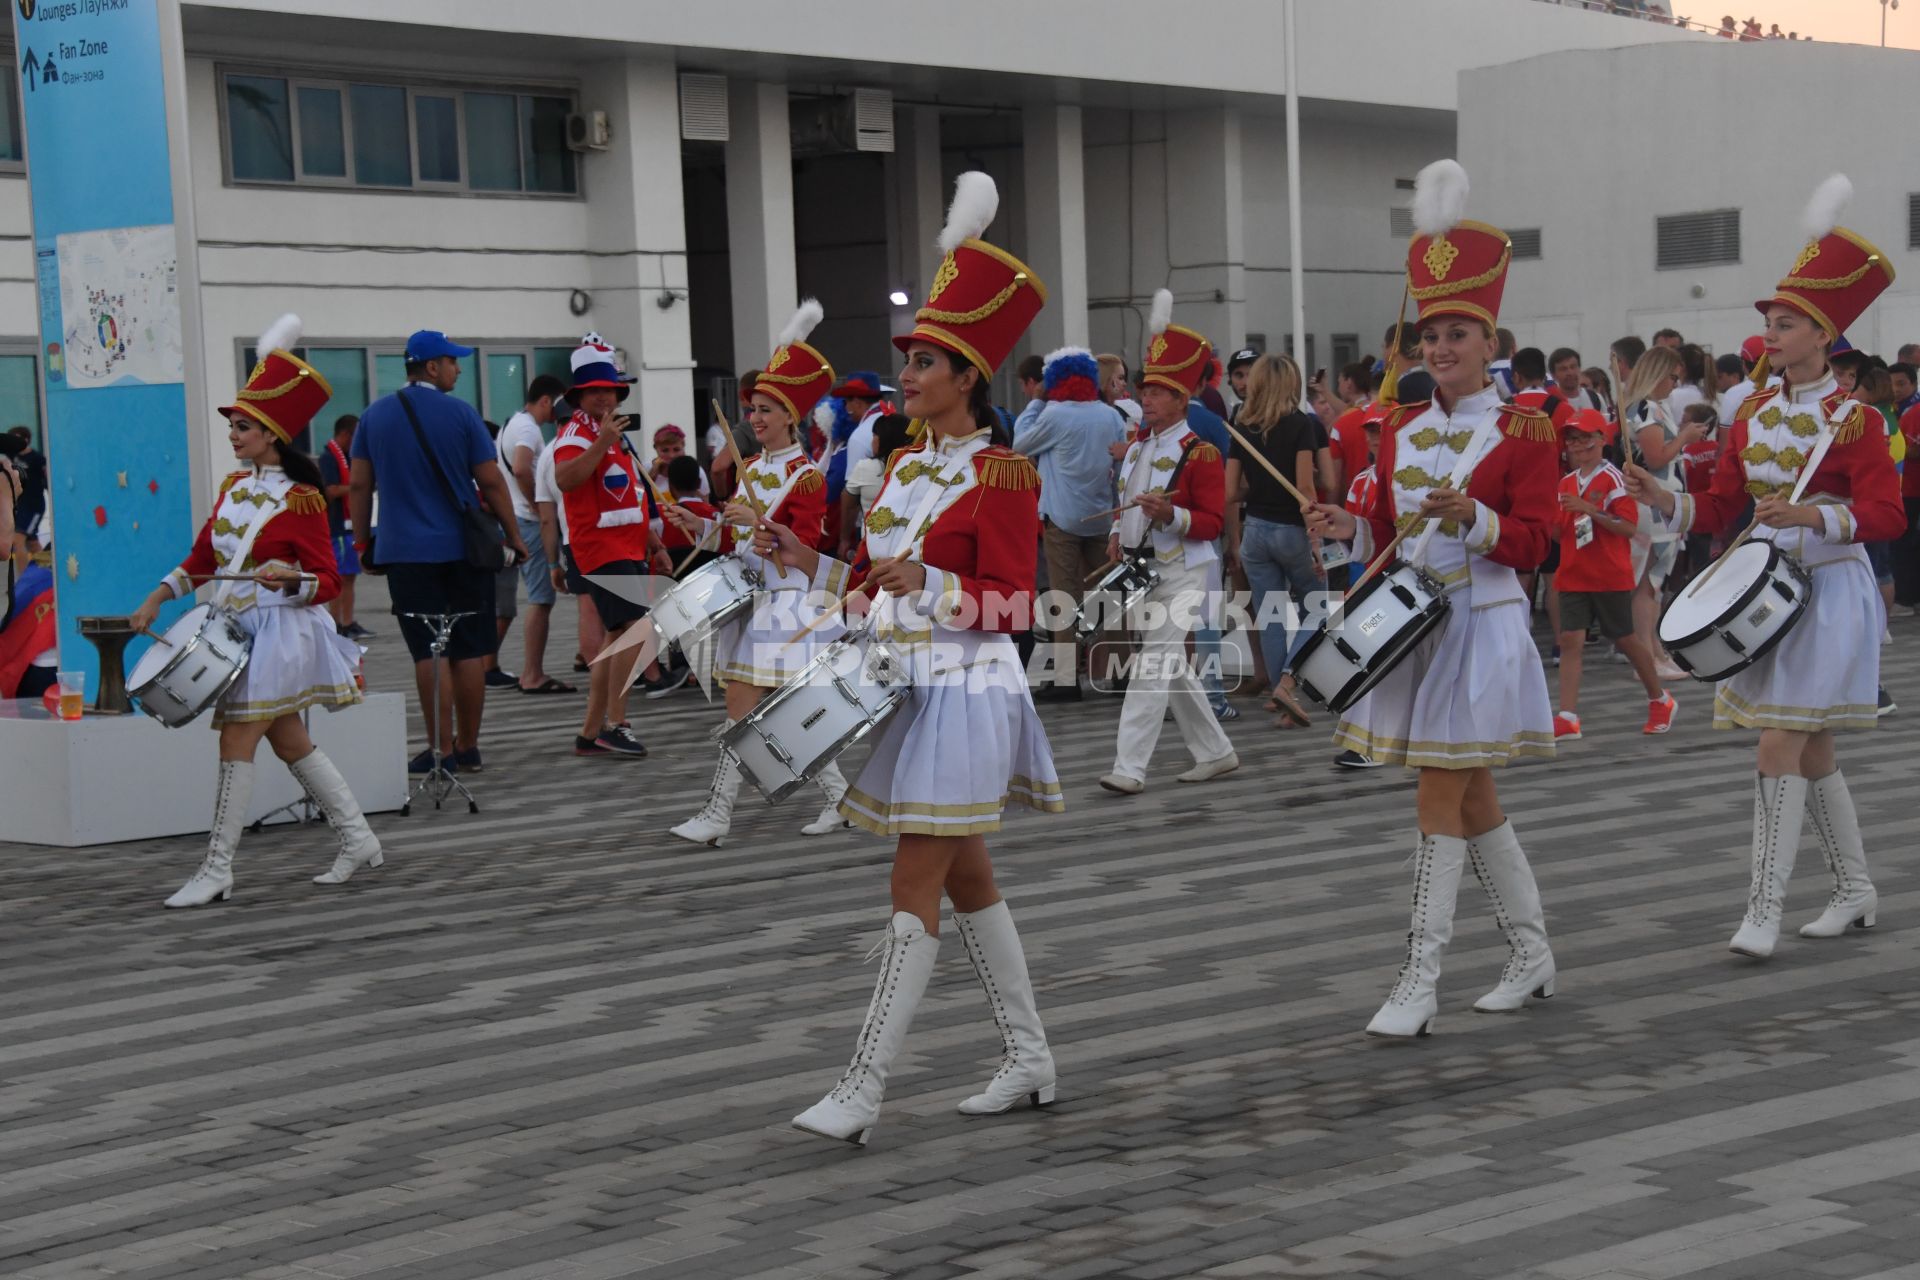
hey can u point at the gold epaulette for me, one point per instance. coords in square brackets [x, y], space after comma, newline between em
[1204, 452]
[1753, 404]
[1401, 414]
[305, 500]
[1854, 426]
[810, 482]
[233, 477]
[1005, 469]
[1527, 424]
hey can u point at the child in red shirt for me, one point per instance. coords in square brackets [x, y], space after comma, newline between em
[1595, 532]
[683, 478]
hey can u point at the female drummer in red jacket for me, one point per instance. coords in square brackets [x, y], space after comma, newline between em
[1471, 697]
[949, 549]
[270, 524]
[753, 654]
[1824, 674]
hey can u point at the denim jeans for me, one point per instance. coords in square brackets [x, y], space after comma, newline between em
[1278, 558]
[1206, 644]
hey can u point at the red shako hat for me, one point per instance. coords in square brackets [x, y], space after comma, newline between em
[983, 298]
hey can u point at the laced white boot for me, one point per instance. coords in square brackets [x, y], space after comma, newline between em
[834, 784]
[213, 882]
[1026, 1063]
[359, 847]
[1855, 902]
[1414, 1000]
[851, 1108]
[1501, 867]
[715, 819]
[1779, 807]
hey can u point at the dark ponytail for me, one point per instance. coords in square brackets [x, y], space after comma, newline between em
[299, 467]
[980, 402]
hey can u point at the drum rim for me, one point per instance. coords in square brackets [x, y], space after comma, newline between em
[896, 695]
[214, 611]
[1775, 556]
[180, 652]
[1438, 608]
[1341, 701]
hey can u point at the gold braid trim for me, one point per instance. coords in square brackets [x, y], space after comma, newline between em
[305, 500]
[1751, 405]
[1202, 348]
[1204, 452]
[979, 313]
[1448, 289]
[1527, 424]
[1009, 471]
[1841, 282]
[1853, 428]
[794, 379]
[1761, 489]
[231, 480]
[809, 482]
[1405, 413]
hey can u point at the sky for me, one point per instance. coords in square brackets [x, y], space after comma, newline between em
[1854, 21]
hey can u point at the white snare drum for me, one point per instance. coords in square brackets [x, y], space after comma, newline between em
[712, 595]
[1728, 622]
[1119, 588]
[186, 671]
[840, 697]
[1379, 625]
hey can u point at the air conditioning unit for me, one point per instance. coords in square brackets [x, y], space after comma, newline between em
[588, 131]
[858, 121]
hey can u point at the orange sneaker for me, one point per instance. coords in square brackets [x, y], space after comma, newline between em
[1566, 726]
[1660, 714]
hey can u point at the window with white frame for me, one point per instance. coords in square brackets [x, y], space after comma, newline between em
[285, 128]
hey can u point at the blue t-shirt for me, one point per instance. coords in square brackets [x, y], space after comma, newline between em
[418, 522]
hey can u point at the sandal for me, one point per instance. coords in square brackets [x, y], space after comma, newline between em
[551, 686]
[580, 664]
[1290, 708]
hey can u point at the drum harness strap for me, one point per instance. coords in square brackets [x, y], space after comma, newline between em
[938, 485]
[1145, 550]
[1488, 428]
[262, 514]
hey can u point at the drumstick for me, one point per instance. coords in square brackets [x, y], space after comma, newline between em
[1102, 569]
[1267, 463]
[1379, 561]
[244, 577]
[841, 603]
[697, 548]
[739, 463]
[1108, 515]
[151, 634]
[1706, 575]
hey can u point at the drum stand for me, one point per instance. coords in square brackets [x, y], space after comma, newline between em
[303, 810]
[439, 779]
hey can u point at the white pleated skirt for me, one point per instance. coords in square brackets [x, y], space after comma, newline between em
[1825, 673]
[754, 650]
[299, 660]
[966, 742]
[1471, 696]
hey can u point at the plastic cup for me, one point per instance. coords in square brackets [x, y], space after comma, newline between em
[73, 694]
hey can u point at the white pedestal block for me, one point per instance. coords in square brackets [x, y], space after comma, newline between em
[109, 778]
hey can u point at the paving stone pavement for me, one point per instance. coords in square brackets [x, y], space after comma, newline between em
[551, 1043]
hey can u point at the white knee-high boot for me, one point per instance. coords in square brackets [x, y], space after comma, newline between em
[1779, 807]
[1855, 902]
[1026, 1063]
[359, 847]
[834, 784]
[213, 882]
[1501, 866]
[715, 819]
[1411, 1005]
[852, 1107]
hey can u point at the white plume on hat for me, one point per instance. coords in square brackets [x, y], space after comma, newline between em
[823, 416]
[1829, 201]
[808, 314]
[975, 202]
[279, 336]
[1162, 314]
[1439, 197]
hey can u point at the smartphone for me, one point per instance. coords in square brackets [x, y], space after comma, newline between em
[1319, 375]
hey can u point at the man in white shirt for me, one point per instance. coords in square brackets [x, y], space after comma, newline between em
[521, 443]
[1563, 366]
[861, 393]
[552, 510]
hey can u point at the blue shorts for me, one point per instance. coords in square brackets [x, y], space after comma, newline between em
[536, 574]
[345, 558]
[1880, 560]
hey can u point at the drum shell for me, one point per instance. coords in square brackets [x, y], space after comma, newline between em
[844, 694]
[1379, 625]
[1775, 595]
[706, 599]
[1130, 580]
[211, 649]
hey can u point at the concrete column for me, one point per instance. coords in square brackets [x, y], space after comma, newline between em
[1206, 233]
[636, 213]
[759, 218]
[919, 198]
[1056, 231]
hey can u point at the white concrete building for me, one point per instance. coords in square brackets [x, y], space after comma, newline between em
[380, 168]
[1667, 182]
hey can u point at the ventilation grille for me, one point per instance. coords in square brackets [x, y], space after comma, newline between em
[1526, 243]
[1697, 239]
[873, 120]
[1400, 223]
[1913, 221]
[703, 108]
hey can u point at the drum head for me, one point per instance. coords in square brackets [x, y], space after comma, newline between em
[1392, 656]
[1707, 600]
[158, 655]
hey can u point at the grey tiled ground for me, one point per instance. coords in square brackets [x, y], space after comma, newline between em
[549, 1042]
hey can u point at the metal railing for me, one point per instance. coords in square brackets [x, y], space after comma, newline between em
[1728, 27]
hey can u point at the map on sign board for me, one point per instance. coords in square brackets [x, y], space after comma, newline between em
[120, 306]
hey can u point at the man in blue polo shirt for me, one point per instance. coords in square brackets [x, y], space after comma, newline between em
[426, 477]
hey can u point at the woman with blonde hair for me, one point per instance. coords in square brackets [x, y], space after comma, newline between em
[1650, 437]
[1271, 540]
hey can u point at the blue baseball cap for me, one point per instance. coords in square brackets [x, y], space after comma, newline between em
[431, 344]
